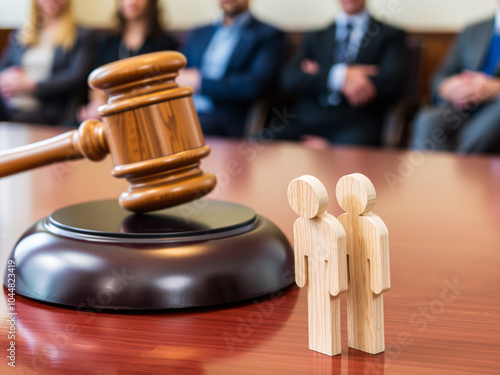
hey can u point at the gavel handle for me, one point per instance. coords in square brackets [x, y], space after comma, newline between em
[89, 141]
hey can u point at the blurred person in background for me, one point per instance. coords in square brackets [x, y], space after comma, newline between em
[466, 90]
[345, 78]
[46, 63]
[139, 32]
[231, 64]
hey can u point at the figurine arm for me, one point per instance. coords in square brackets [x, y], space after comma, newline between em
[337, 261]
[300, 252]
[380, 277]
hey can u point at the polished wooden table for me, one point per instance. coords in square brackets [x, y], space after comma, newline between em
[442, 314]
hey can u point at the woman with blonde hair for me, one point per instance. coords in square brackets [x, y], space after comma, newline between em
[45, 65]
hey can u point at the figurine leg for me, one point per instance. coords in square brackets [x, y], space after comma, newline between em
[323, 313]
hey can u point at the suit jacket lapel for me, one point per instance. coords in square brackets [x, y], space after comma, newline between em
[373, 28]
[497, 70]
[326, 48]
[245, 44]
[18, 51]
[205, 39]
[59, 57]
[479, 44]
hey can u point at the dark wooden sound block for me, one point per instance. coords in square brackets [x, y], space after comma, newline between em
[98, 255]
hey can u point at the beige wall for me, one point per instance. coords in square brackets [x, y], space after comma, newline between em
[288, 14]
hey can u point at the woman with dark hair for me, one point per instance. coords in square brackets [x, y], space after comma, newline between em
[139, 32]
[45, 65]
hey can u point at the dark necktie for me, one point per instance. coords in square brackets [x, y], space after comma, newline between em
[342, 53]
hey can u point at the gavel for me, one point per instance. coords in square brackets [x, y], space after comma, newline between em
[150, 128]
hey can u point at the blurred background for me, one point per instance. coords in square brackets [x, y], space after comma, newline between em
[413, 15]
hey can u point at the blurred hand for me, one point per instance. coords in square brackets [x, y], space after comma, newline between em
[469, 89]
[487, 87]
[90, 110]
[358, 88]
[314, 142]
[310, 66]
[13, 81]
[190, 77]
[457, 90]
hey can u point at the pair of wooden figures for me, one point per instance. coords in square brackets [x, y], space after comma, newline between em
[332, 256]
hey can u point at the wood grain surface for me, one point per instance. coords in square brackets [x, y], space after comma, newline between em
[319, 245]
[88, 141]
[442, 314]
[152, 131]
[368, 260]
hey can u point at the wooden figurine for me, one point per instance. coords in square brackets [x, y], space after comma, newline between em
[150, 128]
[320, 262]
[368, 262]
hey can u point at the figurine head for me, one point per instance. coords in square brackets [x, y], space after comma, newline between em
[356, 194]
[307, 197]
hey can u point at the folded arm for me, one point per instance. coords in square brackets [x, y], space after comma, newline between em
[451, 67]
[307, 82]
[256, 80]
[389, 82]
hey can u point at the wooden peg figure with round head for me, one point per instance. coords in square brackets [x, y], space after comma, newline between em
[320, 262]
[368, 260]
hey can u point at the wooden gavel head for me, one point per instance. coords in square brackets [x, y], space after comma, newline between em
[149, 126]
[152, 131]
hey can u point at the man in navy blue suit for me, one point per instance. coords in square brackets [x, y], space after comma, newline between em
[231, 64]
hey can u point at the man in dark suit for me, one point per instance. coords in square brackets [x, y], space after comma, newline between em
[345, 78]
[231, 64]
[466, 89]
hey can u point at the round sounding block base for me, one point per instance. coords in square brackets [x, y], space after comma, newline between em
[98, 255]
